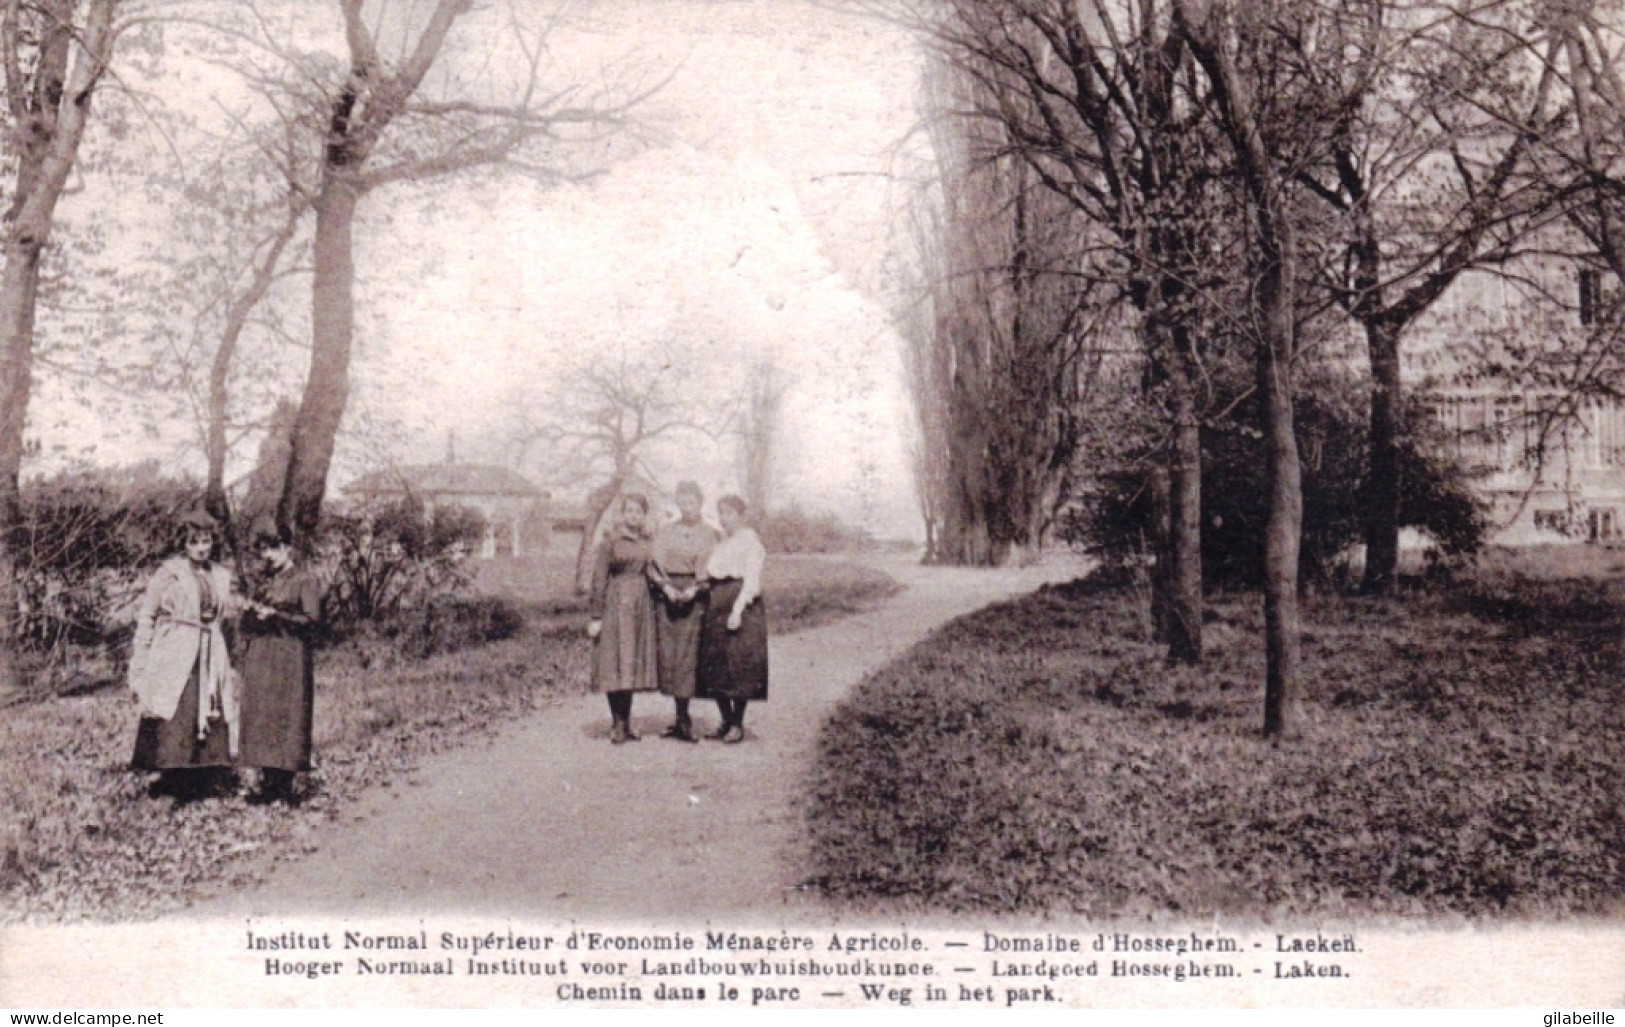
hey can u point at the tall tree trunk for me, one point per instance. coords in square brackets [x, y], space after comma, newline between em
[965, 538]
[1382, 485]
[1379, 514]
[1275, 304]
[19, 288]
[1284, 529]
[1177, 493]
[928, 514]
[214, 488]
[50, 108]
[1184, 582]
[764, 401]
[237, 315]
[1158, 493]
[321, 409]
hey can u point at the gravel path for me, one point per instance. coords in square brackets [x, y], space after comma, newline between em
[549, 819]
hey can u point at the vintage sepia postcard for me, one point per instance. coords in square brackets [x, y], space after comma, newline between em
[812, 504]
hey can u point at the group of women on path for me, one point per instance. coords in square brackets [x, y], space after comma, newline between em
[679, 611]
[200, 716]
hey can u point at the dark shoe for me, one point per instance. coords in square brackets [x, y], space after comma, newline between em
[735, 735]
[617, 733]
[275, 786]
[269, 797]
[721, 733]
[219, 782]
[184, 785]
[674, 731]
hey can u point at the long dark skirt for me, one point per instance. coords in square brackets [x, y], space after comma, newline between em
[173, 744]
[625, 657]
[279, 696]
[732, 664]
[677, 633]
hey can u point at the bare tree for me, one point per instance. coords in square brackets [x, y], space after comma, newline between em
[1588, 166]
[996, 329]
[1089, 96]
[380, 121]
[928, 368]
[1202, 142]
[167, 322]
[1231, 44]
[1427, 173]
[759, 421]
[238, 223]
[1588, 48]
[1569, 362]
[601, 419]
[266, 263]
[54, 54]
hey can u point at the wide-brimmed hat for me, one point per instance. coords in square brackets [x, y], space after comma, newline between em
[199, 519]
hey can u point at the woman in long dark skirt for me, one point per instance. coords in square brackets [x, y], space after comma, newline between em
[180, 670]
[278, 667]
[677, 572]
[624, 658]
[733, 636]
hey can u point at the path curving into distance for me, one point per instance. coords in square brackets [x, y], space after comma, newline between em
[550, 820]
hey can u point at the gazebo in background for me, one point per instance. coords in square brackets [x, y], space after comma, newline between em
[516, 514]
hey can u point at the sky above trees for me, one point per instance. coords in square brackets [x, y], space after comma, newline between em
[753, 216]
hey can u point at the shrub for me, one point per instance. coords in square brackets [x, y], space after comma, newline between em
[1436, 496]
[793, 530]
[1113, 515]
[391, 557]
[400, 573]
[85, 543]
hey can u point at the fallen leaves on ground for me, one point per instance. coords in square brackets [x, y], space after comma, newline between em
[80, 839]
[1458, 754]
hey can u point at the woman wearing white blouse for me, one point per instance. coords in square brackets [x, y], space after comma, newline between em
[733, 637]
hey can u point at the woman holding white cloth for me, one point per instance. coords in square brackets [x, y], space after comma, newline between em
[180, 669]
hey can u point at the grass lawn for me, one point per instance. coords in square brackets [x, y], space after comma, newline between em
[1461, 752]
[79, 838]
[801, 591]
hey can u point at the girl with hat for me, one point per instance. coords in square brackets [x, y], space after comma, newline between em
[180, 670]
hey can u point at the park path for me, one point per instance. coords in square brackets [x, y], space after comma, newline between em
[550, 820]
